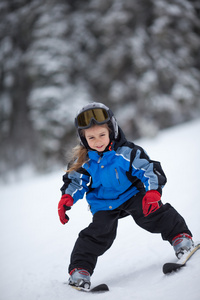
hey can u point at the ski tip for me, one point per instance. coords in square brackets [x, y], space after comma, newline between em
[100, 288]
[171, 267]
[166, 269]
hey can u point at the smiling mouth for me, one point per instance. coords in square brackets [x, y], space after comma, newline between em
[98, 147]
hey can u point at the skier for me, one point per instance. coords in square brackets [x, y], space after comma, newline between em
[119, 179]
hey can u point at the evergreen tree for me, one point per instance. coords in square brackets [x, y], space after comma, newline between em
[139, 57]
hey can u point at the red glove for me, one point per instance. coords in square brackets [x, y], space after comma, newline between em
[64, 204]
[151, 202]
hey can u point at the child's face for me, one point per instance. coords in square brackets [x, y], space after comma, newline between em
[97, 137]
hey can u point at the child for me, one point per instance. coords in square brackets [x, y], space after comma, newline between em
[119, 179]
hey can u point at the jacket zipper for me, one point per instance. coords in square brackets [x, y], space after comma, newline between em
[117, 175]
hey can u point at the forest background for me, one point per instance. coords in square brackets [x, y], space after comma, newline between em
[141, 58]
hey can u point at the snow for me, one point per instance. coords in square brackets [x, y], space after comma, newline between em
[35, 246]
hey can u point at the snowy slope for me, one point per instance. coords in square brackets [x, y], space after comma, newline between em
[35, 247]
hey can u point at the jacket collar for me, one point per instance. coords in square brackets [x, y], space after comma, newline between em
[94, 155]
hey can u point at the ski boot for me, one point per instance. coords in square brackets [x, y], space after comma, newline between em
[80, 278]
[182, 243]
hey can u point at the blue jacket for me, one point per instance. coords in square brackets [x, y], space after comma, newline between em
[111, 178]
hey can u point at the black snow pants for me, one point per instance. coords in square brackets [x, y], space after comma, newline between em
[98, 237]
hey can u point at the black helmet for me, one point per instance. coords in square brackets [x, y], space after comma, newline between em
[95, 113]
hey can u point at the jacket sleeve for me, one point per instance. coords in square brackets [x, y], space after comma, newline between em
[149, 172]
[76, 184]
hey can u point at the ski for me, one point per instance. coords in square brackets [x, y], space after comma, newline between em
[170, 267]
[101, 288]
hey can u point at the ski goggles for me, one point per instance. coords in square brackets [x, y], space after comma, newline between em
[99, 115]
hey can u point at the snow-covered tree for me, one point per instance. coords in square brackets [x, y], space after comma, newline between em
[139, 57]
